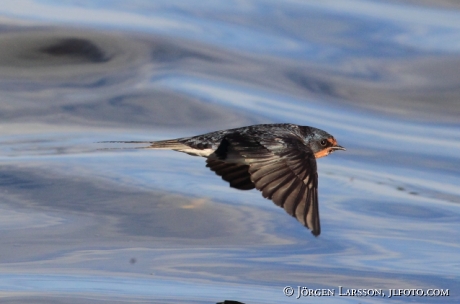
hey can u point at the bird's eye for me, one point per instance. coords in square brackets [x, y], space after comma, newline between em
[323, 142]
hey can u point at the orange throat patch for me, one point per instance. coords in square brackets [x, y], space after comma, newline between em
[322, 153]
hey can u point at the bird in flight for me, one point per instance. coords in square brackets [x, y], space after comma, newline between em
[277, 159]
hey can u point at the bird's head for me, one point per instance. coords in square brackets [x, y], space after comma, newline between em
[321, 142]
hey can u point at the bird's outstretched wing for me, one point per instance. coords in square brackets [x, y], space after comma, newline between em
[283, 170]
[237, 175]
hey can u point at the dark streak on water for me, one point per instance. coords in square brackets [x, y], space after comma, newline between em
[81, 49]
[84, 225]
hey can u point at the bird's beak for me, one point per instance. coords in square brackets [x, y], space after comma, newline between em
[337, 147]
[334, 144]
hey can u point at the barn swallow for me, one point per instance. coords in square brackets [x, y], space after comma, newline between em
[277, 159]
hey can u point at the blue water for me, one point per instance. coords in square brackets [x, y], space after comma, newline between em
[85, 225]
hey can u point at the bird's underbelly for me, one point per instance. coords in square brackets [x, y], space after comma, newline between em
[231, 158]
[197, 152]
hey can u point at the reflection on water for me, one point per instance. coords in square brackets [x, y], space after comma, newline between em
[80, 223]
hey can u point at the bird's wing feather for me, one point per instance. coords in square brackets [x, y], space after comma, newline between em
[283, 170]
[237, 175]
